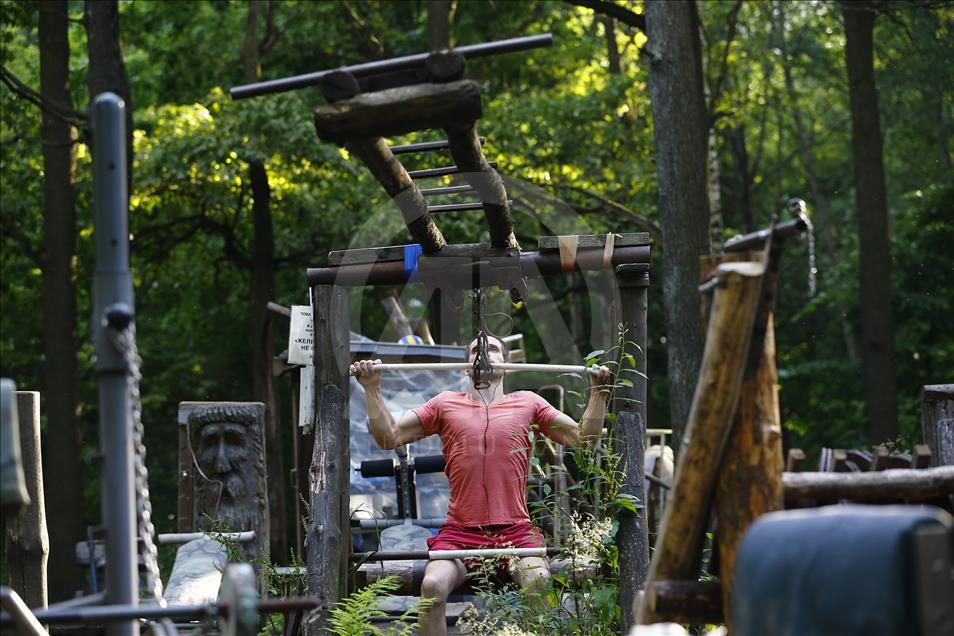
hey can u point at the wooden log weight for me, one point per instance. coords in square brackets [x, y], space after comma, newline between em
[728, 338]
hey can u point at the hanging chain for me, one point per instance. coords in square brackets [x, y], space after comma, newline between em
[125, 342]
[481, 360]
[798, 210]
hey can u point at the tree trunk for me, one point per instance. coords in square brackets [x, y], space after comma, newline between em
[877, 320]
[440, 19]
[679, 133]
[612, 49]
[736, 139]
[63, 444]
[107, 72]
[263, 290]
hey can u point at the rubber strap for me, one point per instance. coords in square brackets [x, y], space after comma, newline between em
[568, 245]
[608, 251]
[411, 252]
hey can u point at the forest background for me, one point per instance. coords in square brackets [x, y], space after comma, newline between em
[231, 201]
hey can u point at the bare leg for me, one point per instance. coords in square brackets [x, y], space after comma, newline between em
[532, 573]
[440, 579]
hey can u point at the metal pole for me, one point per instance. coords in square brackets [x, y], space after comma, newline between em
[386, 66]
[185, 537]
[113, 309]
[505, 366]
[436, 555]
[19, 613]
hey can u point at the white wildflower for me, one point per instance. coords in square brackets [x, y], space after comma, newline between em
[588, 537]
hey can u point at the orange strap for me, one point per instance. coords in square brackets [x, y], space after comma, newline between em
[568, 245]
[608, 251]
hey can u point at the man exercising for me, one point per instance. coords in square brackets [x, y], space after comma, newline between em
[487, 449]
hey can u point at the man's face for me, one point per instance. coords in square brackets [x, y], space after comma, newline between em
[495, 353]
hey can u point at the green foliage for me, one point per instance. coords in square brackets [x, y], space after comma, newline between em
[353, 616]
[576, 141]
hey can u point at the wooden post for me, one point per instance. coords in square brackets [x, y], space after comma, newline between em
[729, 334]
[27, 541]
[937, 421]
[396, 316]
[750, 476]
[469, 157]
[629, 433]
[445, 317]
[330, 473]
[185, 510]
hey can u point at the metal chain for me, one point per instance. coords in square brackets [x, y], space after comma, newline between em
[125, 342]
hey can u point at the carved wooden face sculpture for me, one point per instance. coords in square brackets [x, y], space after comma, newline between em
[227, 445]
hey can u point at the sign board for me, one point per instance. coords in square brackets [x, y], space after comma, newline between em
[301, 336]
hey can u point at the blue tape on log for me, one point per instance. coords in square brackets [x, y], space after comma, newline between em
[411, 252]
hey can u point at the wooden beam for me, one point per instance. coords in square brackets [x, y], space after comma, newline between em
[328, 532]
[399, 111]
[396, 316]
[27, 542]
[750, 475]
[531, 265]
[392, 176]
[467, 153]
[692, 602]
[585, 241]
[898, 484]
[729, 334]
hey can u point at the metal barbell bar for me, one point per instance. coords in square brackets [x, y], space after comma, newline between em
[435, 555]
[505, 366]
[185, 537]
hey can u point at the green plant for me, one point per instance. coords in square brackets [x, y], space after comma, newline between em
[354, 615]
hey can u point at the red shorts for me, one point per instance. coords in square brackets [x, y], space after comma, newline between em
[454, 536]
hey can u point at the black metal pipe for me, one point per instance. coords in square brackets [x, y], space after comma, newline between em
[440, 172]
[425, 146]
[531, 264]
[118, 613]
[414, 555]
[461, 189]
[457, 207]
[756, 240]
[113, 312]
[483, 49]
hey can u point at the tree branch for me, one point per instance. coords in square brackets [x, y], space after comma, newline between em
[639, 220]
[613, 10]
[50, 107]
[732, 22]
[271, 31]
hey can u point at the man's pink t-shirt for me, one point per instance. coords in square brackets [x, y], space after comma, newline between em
[487, 452]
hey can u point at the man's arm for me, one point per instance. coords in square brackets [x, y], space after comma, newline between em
[565, 431]
[388, 432]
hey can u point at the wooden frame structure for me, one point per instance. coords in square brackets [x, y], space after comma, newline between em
[359, 118]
